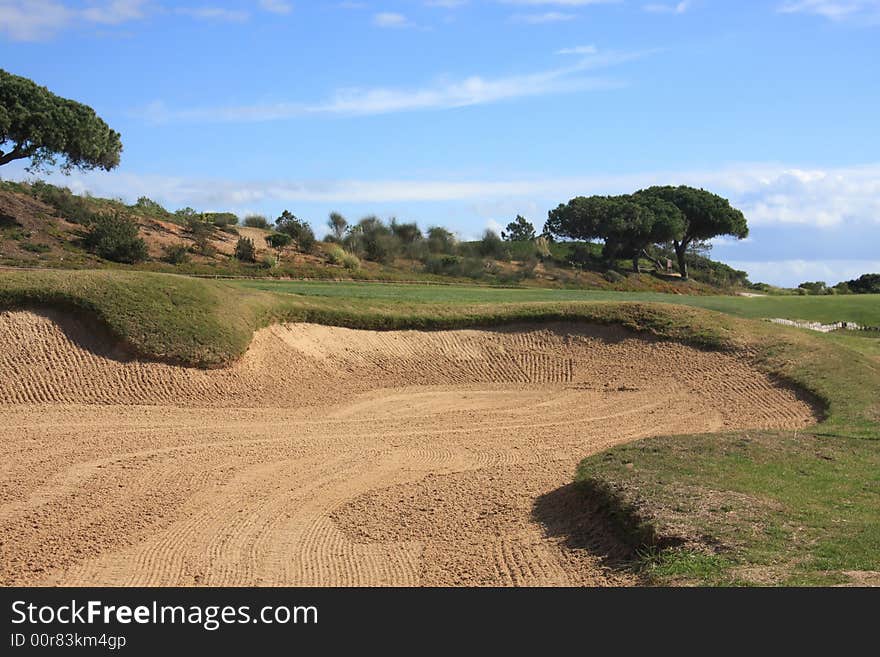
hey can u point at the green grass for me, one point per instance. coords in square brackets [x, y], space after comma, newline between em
[862, 309]
[721, 509]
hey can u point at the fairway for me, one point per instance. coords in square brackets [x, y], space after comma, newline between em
[862, 309]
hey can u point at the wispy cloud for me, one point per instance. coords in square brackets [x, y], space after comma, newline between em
[38, 20]
[446, 4]
[390, 19]
[444, 93]
[836, 10]
[578, 50]
[678, 8]
[214, 14]
[769, 194]
[276, 6]
[559, 3]
[546, 17]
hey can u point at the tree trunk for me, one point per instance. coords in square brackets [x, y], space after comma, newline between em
[680, 249]
[659, 265]
[636, 267]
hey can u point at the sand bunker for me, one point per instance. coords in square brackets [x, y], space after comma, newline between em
[331, 456]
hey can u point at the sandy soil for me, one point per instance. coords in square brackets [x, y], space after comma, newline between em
[331, 456]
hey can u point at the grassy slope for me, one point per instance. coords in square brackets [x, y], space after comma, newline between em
[863, 309]
[749, 506]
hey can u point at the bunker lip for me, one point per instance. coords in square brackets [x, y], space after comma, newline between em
[333, 456]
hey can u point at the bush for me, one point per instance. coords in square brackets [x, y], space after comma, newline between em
[35, 248]
[336, 255]
[865, 284]
[441, 240]
[270, 261]
[299, 230]
[115, 237]
[201, 232]
[373, 240]
[221, 219]
[67, 205]
[351, 261]
[175, 254]
[148, 206]
[492, 246]
[256, 221]
[245, 250]
[613, 277]
[278, 240]
[231, 230]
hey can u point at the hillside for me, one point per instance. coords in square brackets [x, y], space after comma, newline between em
[45, 226]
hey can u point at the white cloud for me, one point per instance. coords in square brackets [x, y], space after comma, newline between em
[559, 3]
[214, 14]
[442, 94]
[276, 6]
[678, 8]
[540, 19]
[578, 50]
[37, 20]
[33, 20]
[391, 20]
[767, 193]
[836, 10]
[446, 4]
[115, 11]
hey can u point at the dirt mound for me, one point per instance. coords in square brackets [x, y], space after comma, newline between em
[335, 456]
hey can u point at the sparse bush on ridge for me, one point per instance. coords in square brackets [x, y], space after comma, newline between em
[115, 237]
[245, 250]
[298, 229]
[256, 221]
[175, 254]
[278, 240]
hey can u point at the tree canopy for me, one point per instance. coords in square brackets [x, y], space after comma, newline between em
[519, 230]
[629, 224]
[706, 215]
[36, 124]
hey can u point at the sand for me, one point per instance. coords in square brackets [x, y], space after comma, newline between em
[330, 456]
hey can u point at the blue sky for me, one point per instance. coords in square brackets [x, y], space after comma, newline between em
[465, 113]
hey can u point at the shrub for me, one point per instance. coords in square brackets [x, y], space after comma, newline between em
[221, 219]
[408, 233]
[35, 247]
[373, 240]
[68, 205]
[351, 261]
[115, 237]
[299, 230]
[175, 254]
[278, 240]
[492, 246]
[336, 255]
[231, 230]
[245, 250]
[270, 261]
[613, 277]
[146, 205]
[865, 284]
[201, 232]
[441, 240]
[256, 221]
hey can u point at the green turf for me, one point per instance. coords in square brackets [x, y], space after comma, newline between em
[862, 309]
